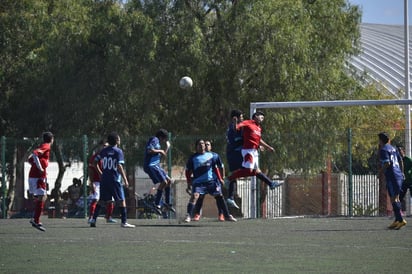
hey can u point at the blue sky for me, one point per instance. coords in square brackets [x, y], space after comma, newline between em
[383, 11]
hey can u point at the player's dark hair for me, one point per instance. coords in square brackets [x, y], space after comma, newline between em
[162, 133]
[112, 138]
[198, 141]
[47, 137]
[235, 113]
[384, 137]
[258, 113]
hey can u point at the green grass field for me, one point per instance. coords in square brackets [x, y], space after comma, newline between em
[285, 245]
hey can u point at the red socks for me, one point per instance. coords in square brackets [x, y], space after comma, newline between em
[38, 209]
[109, 210]
[92, 208]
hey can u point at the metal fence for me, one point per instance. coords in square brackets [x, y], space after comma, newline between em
[340, 186]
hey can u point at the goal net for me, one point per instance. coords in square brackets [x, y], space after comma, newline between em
[326, 153]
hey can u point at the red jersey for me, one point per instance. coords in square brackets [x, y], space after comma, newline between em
[94, 176]
[43, 153]
[252, 133]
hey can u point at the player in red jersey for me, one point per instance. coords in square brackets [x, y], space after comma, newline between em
[39, 161]
[252, 140]
[94, 179]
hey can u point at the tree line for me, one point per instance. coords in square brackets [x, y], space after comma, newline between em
[79, 67]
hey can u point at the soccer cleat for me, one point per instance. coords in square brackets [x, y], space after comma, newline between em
[126, 225]
[232, 203]
[196, 217]
[93, 223]
[169, 207]
[275, 184]
[38, 226]
[157, 209]
[221, 218]
[400, 225]
[111, 221]
[33, 223]
[393, 225]
[187, 218]
[231, 219]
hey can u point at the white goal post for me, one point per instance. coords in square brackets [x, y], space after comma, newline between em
[338, 103]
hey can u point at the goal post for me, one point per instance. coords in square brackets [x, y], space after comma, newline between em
[337, 103]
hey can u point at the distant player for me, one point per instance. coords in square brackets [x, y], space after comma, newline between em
[391, 163]
[39, 161]
[111, 160]
[152, 156]
[252, 140]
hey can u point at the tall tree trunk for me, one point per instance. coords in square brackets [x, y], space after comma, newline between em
[56, 191]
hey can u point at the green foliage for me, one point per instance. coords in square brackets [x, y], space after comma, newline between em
[89, 67]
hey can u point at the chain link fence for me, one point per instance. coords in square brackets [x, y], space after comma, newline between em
[340, 178]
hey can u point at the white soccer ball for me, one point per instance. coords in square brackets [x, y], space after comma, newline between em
[186, 82]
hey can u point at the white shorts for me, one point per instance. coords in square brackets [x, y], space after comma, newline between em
[38, 186]
[96, 194]
[250, 158]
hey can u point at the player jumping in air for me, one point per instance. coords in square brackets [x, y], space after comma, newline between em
[252, 140]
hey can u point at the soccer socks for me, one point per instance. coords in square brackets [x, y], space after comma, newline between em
[397, 211]
[38, 209]
[219, 207]
[190, 208]
[167, 195]
[158, 197]
[123, 214]
[199, 204]
[109, 210]
[264, 178]
[96, 211]
[220, 202]
[92, 208]
[232, 189]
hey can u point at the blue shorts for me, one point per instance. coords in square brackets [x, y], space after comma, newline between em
[156, 173]
[234, 159]
[111, 189]
[211, 187]
[394, 187]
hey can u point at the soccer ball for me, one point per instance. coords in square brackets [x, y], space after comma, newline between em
[186, 82]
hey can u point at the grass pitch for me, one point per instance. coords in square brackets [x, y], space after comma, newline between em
[285, 245]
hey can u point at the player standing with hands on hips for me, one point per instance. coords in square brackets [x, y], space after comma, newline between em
[39, 161]
[252, 140]
[111, 160]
